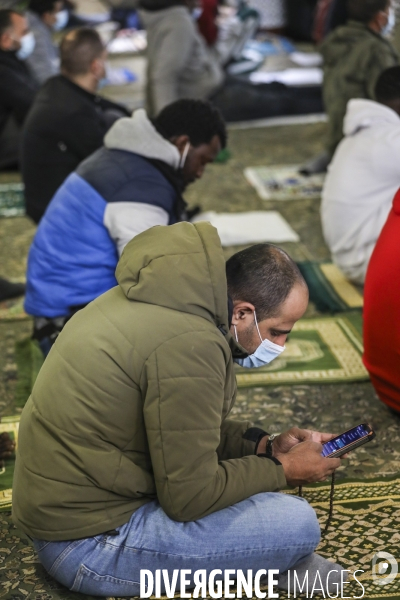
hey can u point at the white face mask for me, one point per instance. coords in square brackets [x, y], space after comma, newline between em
[196, 13]
[184, 155]
[387, 30]
[265, 353]
[27, 46]
[61, 19]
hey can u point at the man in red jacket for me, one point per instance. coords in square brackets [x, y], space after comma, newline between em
[382, 312]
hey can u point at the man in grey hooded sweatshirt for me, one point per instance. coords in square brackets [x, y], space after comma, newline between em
[180, 65]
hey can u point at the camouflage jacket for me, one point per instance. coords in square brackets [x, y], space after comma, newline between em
[354, 57]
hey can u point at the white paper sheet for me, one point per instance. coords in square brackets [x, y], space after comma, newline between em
[289, 76]
[235, 229]
[306, 59]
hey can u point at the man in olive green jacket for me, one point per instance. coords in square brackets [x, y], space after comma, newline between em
[354, 57]
[127, 457]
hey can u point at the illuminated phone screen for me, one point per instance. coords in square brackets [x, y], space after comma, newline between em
[344, 439]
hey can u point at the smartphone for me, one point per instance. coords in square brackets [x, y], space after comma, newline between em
[349, 440]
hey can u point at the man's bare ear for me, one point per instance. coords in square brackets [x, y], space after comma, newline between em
[241, 311]
[6, 39]
[180, 142]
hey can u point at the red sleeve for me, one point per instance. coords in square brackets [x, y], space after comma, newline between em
[206, 23]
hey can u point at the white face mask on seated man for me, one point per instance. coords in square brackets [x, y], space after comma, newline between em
[265, 353]
[28, 43]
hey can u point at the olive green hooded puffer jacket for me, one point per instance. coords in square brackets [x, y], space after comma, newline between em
[132, 402]
[354, 57]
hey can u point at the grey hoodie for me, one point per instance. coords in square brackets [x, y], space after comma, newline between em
[362, 179]
[44, 62]
[179, 62]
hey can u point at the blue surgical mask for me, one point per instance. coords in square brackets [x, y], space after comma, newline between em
[27, 46]
[61, 19]
[265, 353]
[196, 13]
[391, 22]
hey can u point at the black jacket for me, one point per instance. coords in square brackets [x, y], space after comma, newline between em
[66, 125]
[17, 88]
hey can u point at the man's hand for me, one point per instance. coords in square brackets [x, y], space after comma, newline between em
[286, 441]
[303, 463]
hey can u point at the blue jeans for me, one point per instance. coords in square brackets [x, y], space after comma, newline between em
[266, 531]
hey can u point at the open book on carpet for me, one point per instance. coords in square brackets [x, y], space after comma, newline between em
[284, 182]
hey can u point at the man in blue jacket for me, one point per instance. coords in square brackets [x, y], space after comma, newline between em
[132, 183]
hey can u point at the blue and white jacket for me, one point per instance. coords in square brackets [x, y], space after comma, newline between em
[113, 195]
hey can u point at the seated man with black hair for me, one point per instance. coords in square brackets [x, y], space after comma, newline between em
[17, 86]
[363, 177]
[135, 181]
[137, 463]
[44, 17]
[68, 120]
[355, 55]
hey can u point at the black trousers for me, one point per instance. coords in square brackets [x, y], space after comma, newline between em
[241, 100]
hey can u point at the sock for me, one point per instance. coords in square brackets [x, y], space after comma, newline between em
[311, 565]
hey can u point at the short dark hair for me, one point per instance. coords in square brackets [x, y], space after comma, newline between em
[263, 275]
[41, 6]
[388, 85]
[78, 49]
[365, 10]
[5, 19]
[197, 119]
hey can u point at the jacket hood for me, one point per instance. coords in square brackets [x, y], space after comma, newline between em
[181, 267]
[362, 114]
[342, 40]
[137, 134]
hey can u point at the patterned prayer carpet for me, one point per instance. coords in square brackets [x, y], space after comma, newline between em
[329, 289]
[366, 520]
[323, 350]
[12, 202]
[13, 310]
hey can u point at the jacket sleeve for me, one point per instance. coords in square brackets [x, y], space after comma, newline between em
[232, 444]
[125, 220]
[184, 406]
[381, 59]
[16, 94]
[171, 60]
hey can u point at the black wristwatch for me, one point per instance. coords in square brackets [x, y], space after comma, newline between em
[256, 434]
